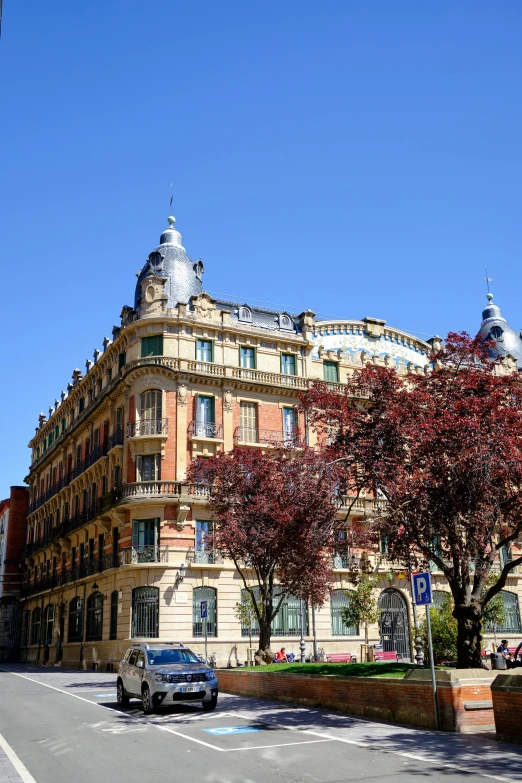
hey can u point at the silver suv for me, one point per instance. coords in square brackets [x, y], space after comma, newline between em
[167, 673]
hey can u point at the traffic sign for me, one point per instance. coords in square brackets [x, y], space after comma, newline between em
[421, 588]
[204, 609]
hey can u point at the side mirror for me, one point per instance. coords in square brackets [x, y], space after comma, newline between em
[139, 664]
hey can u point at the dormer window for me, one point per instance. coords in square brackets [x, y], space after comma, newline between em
[245, 314]
[285, 322]
[496, 332]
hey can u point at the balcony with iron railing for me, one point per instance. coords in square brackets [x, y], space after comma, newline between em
[176, 491]
[81, 466]
[208, 369]
[146, 428]
[87, 567]
[252, 436]
[116, 439]
[136, 555]
[202, 555]
[205, 429]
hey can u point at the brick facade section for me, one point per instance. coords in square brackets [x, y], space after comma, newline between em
[16, 537]
[507, 707]
[168, 464]
[399, 701]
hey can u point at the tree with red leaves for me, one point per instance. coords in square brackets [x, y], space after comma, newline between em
[444, 448]
[273, 515]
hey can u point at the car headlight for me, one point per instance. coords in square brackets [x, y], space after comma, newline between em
[210, 675]
[161, 677]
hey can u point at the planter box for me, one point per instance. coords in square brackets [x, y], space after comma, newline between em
[463, 695]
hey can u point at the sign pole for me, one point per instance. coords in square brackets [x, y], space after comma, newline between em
[206, 642]
[432, 664]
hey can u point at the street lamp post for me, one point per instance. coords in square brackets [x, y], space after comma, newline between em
[302, 643]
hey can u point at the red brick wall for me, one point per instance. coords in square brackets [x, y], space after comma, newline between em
[168, 464]
[507, 707]
[401, 701]
[16, 538]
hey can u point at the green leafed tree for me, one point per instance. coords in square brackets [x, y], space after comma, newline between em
[362, 608]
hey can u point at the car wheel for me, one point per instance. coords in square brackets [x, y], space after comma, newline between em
[210, 705]
[123, 699]
[146, 700]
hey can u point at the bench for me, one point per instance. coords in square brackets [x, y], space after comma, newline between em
[389, 655]
[341, 658]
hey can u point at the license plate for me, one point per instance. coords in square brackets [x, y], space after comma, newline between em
[190, 689]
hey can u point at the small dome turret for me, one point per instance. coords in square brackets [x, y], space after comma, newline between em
[495, 328]
[170, 260]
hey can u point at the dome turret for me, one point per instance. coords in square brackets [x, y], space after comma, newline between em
[170, 260]
[495, 328]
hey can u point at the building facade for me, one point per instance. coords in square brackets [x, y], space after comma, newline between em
[116, 540]
[13, 534]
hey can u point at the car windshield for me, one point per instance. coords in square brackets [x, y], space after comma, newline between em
[167, 656]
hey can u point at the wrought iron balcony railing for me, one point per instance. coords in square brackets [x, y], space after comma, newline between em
[201, 556]
[267, 437]
[116, 439]
[147, 427]
[144, 554]
[204, 429]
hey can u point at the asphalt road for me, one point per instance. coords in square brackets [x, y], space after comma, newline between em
[67, 726]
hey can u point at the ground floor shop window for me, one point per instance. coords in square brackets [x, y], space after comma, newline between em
[75, 620]
[512, 608]
[48, 624]
[36, 625]
[287, 621]
[339, 599]
[94, 617]
[145, 612]
[113, 633]
[209, 595]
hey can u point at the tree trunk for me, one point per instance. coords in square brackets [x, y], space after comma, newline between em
[264, 654]
[468, 617]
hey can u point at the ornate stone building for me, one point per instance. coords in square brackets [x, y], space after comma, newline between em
[116, 545]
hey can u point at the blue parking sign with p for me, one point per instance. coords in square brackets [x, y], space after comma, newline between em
[204, 609]
[421, 584]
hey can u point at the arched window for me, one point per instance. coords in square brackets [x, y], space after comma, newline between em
[245, 314]
[113, 632]
[394, 622]
[48, 624]
[94, 618]
[285, 322]
[209, 595]
[287, 621]
[512, 608]
[339, 599]
[150, 404]
[145, 612]
[75, 620]
[36, 625]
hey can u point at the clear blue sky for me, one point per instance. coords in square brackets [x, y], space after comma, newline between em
[358, 158]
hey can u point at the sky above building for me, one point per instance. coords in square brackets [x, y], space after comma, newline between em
[359, 159]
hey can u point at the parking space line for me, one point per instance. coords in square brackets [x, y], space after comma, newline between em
[279, 745]
[324, 737]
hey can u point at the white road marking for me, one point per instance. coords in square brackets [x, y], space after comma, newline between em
[279, 745]
[16, 762]
[321, 735]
